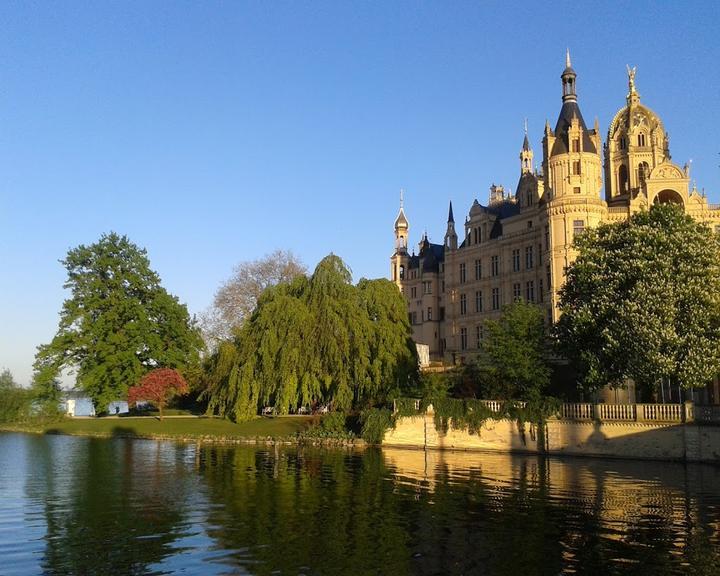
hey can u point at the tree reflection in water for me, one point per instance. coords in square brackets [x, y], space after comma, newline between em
[125, 506]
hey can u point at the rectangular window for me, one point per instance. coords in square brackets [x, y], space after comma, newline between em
[463, 304]
[429, 314]
[442, 286]
[547, 237]
[496, 298]
[414, 317]
[478, 335]
[516, 292]
[576, 190]
[516, 260]
[462, 273]
[529, 261]
[576, 167]
[478, 301]
[478, 269]
[529, 224]
[463, 338]
[578, 227]
[441, 313]
[530, 291]
[540, 290]
[495, 266]
[539, 255]
[413, 292]
[576, 145]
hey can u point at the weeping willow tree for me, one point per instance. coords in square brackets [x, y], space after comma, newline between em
[316, 340]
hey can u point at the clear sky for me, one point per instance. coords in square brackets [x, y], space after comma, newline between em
[215, 132]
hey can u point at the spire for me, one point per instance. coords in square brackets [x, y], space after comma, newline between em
[568, 80]
[451, 238]
[526, 154]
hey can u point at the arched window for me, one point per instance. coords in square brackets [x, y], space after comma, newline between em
[641, 139]
[643, 171]
[622, 179]
[668, 196]
[402, 272]
[623, 143]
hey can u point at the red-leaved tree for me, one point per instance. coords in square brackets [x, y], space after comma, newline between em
[158, 387]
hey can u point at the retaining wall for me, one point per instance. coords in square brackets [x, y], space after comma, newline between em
[687, 442]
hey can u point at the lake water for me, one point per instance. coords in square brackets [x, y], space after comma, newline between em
[73, 505]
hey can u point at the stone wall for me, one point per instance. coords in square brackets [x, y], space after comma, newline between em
[688, 442]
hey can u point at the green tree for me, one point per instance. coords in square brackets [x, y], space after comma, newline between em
[315, 340]
[14, 400]
[642, 301]
[512, 363]
[118, 323]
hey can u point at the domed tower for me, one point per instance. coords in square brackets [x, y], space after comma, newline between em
[399, 259]
[571, 153]
[638, 147]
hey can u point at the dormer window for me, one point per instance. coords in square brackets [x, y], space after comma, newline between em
[576, 145]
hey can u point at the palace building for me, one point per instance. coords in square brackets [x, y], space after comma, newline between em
[517, 246]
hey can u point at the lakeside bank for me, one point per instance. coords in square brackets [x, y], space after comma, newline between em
[283, 429]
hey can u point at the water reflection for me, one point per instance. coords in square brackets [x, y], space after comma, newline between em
[84, 506]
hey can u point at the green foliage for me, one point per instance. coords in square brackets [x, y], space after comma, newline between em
[375, 422]
[15, 402]
[118, 323]
[461, 414]
[317, 340]
[642, 301]
[333, 422]
[512, 363]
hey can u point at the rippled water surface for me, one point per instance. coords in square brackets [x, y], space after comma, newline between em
[89, 506]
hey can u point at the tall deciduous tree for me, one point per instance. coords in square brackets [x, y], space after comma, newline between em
[512, 363]
[237, 297]
[315, 340]
[118, 323]
[642, 301]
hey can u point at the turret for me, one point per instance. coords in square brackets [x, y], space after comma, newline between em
[526, 155]
[571, 163]
[402, 227]
[451, 239]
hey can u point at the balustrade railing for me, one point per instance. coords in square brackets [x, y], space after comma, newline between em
[686, 412]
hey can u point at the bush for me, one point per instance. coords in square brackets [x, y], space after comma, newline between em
[333, 423]
[375, 422]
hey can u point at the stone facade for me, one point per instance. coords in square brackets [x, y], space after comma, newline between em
[517, 247]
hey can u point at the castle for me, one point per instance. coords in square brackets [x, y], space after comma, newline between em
[517, 247]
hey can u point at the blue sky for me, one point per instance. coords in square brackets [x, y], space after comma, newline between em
[215, 132]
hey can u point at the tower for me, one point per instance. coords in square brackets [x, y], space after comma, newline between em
[572, 171]
[571, 153]
[399, 259]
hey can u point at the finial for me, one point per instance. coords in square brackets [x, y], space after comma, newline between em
[568, 64]
[401, 198]
[525, 126]
[631, 77]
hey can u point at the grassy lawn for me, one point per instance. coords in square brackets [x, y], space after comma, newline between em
[179, 427]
